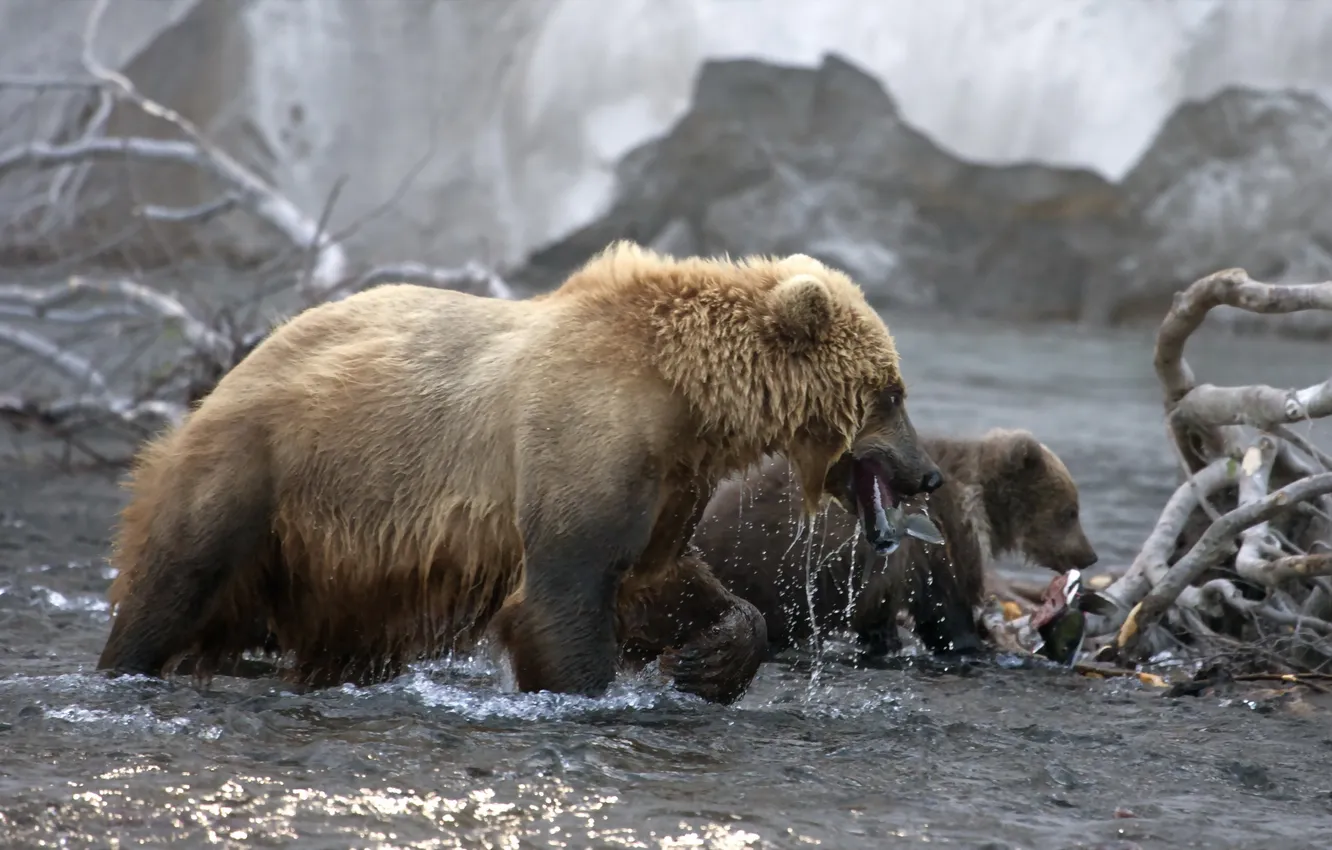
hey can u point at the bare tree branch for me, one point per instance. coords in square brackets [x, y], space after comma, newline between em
[197, 151]
[198, 335]
[250, 192]
[83, 412]
[1226, 592]
[1216, 543]
[1260, 406]
[201, 212]
[1199, 438]
[38, 346]
[1258, 543]
[45, 303]
[1234, 288]
[1299, 566]
[72, 317]
[46, 155]
[1151, 564]
[1269, 535]
[29, 81]
[1303, 444]
[211, 347]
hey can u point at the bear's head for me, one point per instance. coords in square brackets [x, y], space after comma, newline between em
[774, 356]
[857, 445]
[1032, 502]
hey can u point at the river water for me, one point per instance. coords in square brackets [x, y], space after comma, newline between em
[920, 755]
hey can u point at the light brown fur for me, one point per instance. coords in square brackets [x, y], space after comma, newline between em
[372, 482]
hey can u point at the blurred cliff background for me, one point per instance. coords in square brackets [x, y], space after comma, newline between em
[1022, 159]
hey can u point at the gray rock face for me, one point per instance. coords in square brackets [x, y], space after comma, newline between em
[778, 160]
[1243, 179]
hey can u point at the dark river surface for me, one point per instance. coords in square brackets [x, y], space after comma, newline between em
[816, 755]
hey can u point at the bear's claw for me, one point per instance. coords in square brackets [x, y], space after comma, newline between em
[720, 664]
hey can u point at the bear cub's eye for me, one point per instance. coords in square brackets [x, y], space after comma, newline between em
[1071, 514]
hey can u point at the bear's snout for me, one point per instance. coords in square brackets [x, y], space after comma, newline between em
[1085, 557]
[932, 481]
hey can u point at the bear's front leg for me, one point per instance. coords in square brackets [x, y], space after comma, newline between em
[874, 617]
[945, 621]
[559, 628]
[710, 641]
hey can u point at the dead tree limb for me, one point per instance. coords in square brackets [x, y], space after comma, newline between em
[1258, 544]
[208, 353]
[1198, 437]
[96, 405]
[1276, 581]
[1322, 458]
[1234, 288]
[1216, 543]
[1297, 566]
[1225, 592]
[1152, 562]
[113, 304]
[82, 413]
[1259, 406]
[240, 186]
[243, 189]
[37, 346]
[39, 300]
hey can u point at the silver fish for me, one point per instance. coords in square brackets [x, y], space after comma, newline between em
[920, 527]
[903, 525]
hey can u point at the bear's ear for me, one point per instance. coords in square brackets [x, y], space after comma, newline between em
[803, 307]
[1025, 452]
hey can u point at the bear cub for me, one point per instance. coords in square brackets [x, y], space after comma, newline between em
[1003, 493]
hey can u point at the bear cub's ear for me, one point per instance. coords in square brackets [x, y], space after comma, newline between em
[803, 308]
[1025, 452]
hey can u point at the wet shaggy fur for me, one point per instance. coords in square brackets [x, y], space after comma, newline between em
[400, 473]
[1003, 493]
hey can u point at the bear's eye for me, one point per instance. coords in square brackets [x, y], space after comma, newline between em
[893, 398]
[1071, 515]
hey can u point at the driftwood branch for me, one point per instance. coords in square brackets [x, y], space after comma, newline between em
[1225, 592]
[39, 301]
[1216, 543]
[248, 190]
[1152, 562]
[1205, 426]
[1258, 544]
[68, 416]
[48, 303]
[1257, 569]
[111, 304]
[1259, 406]
[41, 348]
[1298, 566]
[1233, 288]
[241, 186]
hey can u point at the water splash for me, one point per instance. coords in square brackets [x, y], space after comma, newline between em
[89, 602]
[140, 720]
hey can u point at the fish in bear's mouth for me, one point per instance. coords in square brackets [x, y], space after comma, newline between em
[879, 506]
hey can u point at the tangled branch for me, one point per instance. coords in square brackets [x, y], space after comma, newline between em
[1215, 544]
[105, 306]
[1250, 573]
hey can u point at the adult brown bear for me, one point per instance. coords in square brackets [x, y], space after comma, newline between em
[1004, 492]
[389, 476]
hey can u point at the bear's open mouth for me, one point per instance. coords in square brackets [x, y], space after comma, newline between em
[875, 501]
